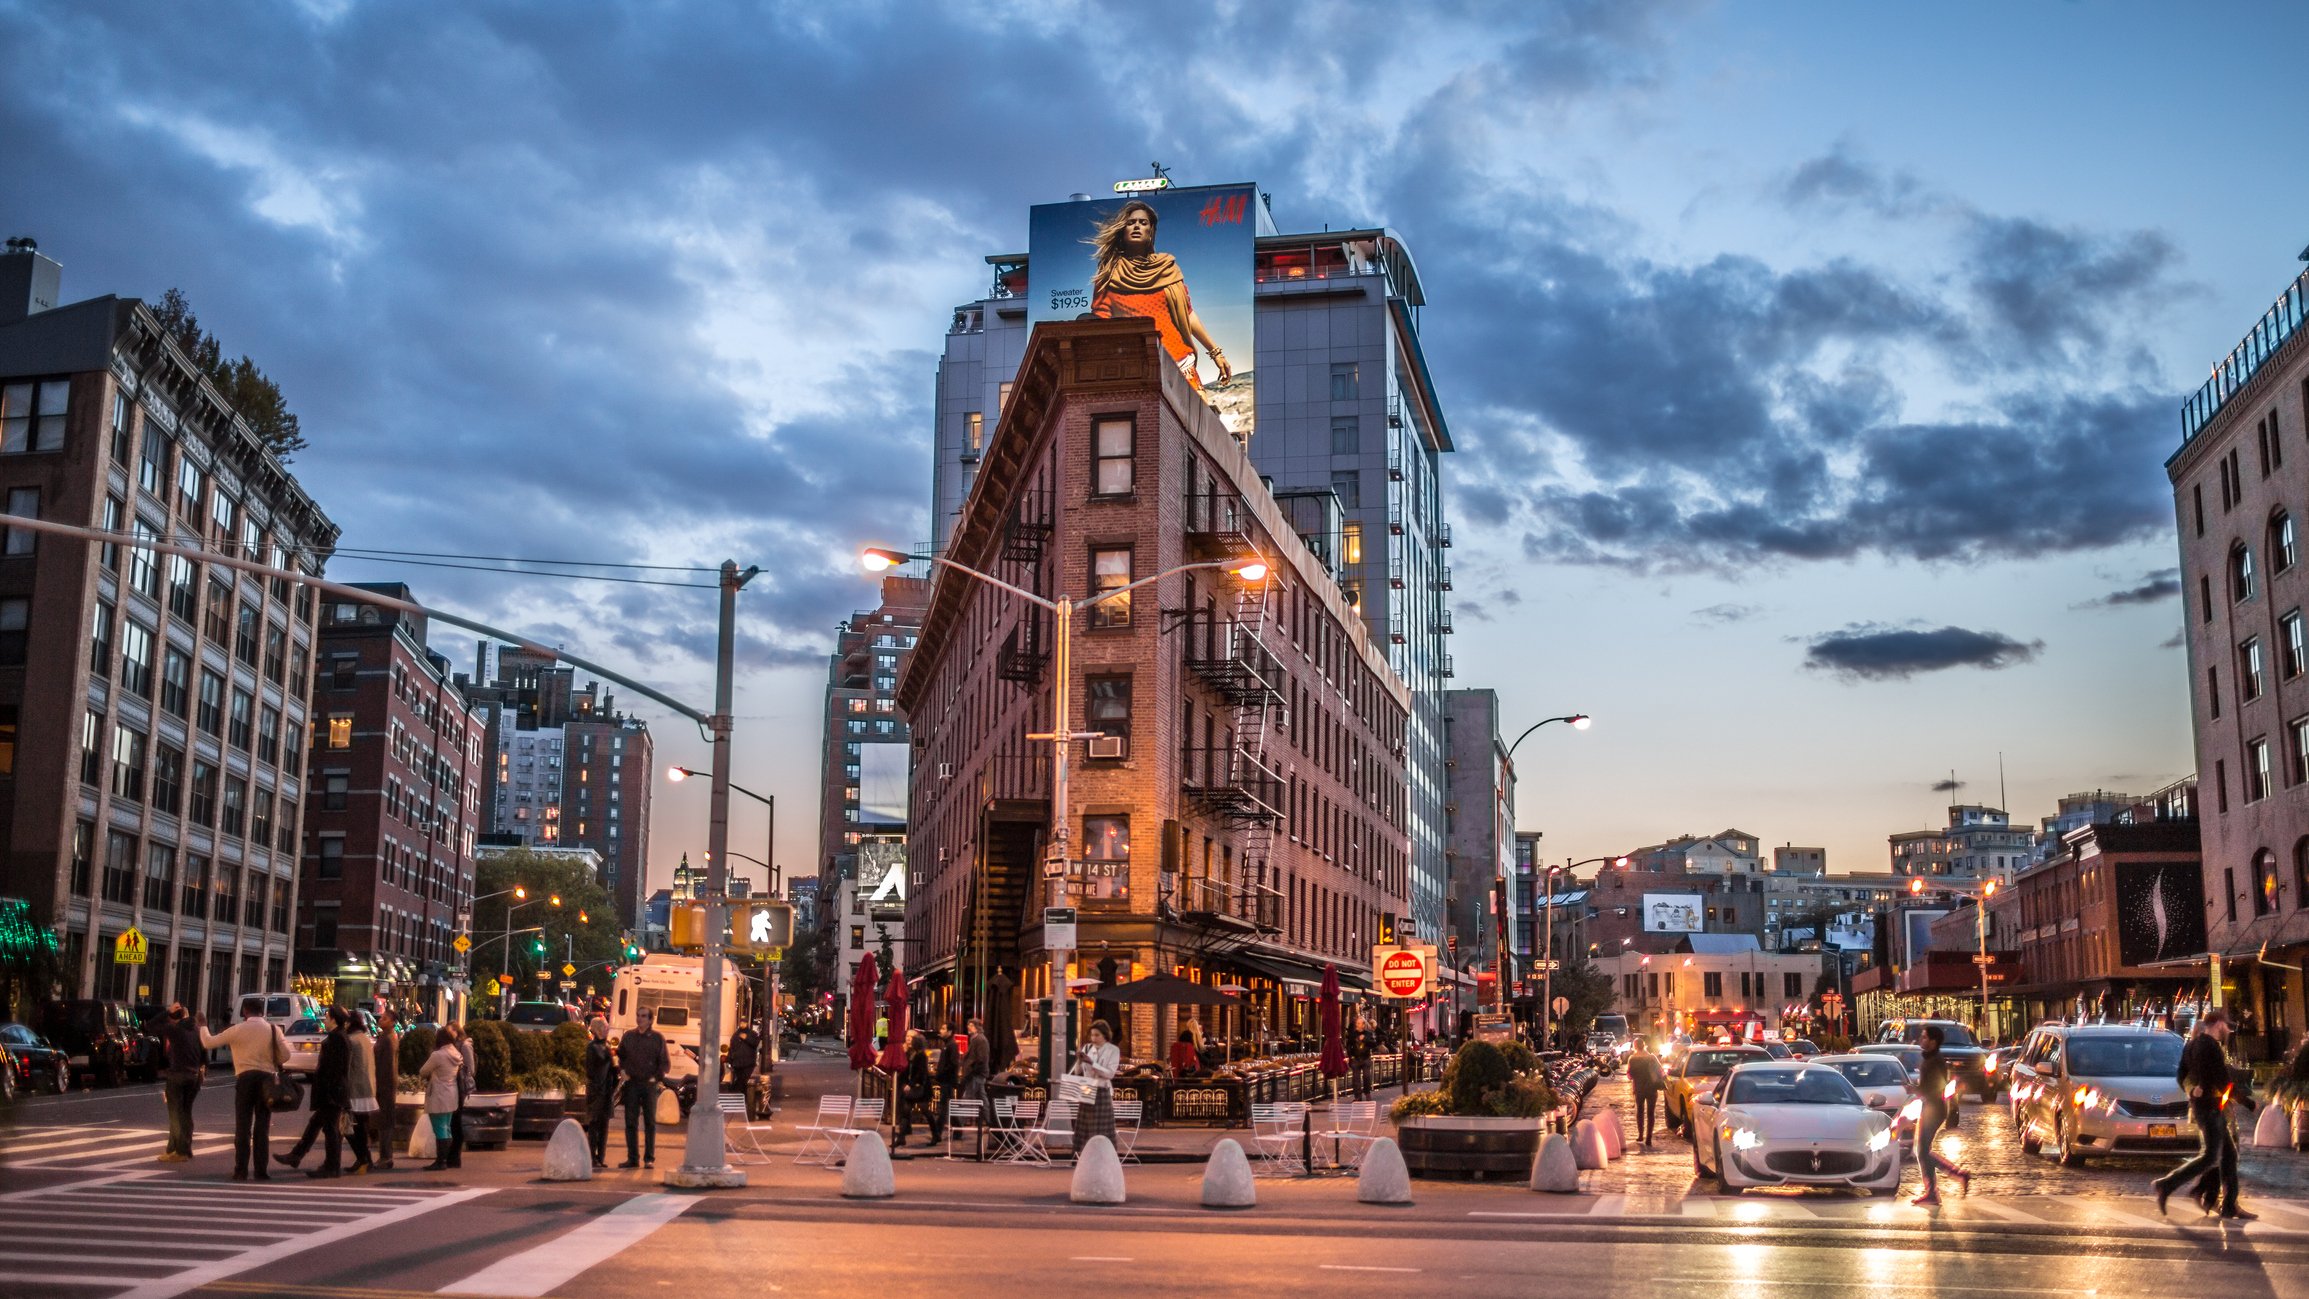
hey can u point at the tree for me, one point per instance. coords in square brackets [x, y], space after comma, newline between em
[1590, 992]
[29, 964]
[245, 387]
[561, 937]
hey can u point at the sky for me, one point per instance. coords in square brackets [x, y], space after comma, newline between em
[1812, 365]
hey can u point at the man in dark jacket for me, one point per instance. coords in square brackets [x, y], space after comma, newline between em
[1359, 1046]
[744, 1054]
[329, 1101]
[386, 1059]
[600, 1089]
[642, 1058]
[185, 1065]
[977, 1064]
[2204, 1075]
[1647, 1078]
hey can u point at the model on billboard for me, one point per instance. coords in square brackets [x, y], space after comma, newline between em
[1135, 280]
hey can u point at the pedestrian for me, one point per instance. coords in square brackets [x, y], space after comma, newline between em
[743, 1056]
[327, 1100]
[915, 1095]
[186, 1064]
[1359, 1058]
[258, 1052]
[946, 1076]
[360, 1088]
[975, 1062]
[385, 1074]
[2211, 1087]
[1647, 1078]
[600, 1089]
[1100, 1060]
[1934, 1090]
[465, 1085]
[439, 1081]
[1185, 1059]
[642, 1058]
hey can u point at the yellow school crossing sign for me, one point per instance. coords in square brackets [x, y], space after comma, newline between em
[462, 943]
[129, 948]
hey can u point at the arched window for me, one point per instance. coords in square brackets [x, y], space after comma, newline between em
[2244, 581]
[2282, 552]
[2265, 883]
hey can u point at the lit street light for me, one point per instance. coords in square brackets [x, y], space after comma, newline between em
[1980, 897]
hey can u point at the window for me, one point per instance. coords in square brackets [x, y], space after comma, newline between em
[2300, 872]
[245, 632]
[276, 652]
[84, 857]
[325, 924]
[2205, 596]
[2257, 770]
[120, 868]
[2213, 691]
[332, 856]
[236, 801]
[91, 748]
[211, 715]
[2282, 551]
[2295, 652]
[32, 416]
[2299, 733]
[2249, 669]
[1351, 543]
[1106, 858]
[2221, 789]
[1792, 986]
[1347, 485]
[152, 466]
[217, 625]
[341, 731]
[24, 503]
[1002, 398]
[1112, 451]
[220, 513]
[243, 720]
[261, 817]
[15, 628]
[974, 431]
[2244, 584]
[1109, 709]
[343, 670]
[1346, 381]
[188, 486]
[184, 589]
[136, 659]
[175, 681]
[857, 705]
[2265, 883]
[159, 876]
[127, 763]
[269, 735]
[1110, 571]
[143, 562]
[203, 809]
[115, 518]
[2197, 493]
[8, 724]
[292, 747]
[1712, 983]
[1346, 435]
[168, 779]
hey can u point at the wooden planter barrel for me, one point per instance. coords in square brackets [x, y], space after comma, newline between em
[1456, 1146]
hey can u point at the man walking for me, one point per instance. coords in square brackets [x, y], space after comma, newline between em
[744, 1054]
[976, 1065]
[642, 1058]
[600, 1089]
[329, 1099]
[1647, 1078]
[2204, 1075]
[258, 1052]
[385, 1056]
[1359, 1059]
[185, 1065]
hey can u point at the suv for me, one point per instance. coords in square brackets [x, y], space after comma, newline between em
[102, 1039]
[2100, 1089]
[1967, 1061]
[540, 1016]
[282, 1008]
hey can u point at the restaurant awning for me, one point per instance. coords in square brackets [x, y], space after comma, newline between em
[1299, 972]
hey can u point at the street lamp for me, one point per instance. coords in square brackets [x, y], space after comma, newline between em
[1062, 734]
[1980, 897]
[1579, 722]
[1547, 940]
[678, 774]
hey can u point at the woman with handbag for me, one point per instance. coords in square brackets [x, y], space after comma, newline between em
[360, 1090]
[443, 1094]
[1099, 1062]
[258, 1052]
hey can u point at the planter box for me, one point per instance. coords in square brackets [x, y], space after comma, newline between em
[488, 1118]
[538, 1116]
[1455, 1146]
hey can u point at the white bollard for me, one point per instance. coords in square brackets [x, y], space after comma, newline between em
[421, 1142]
[668, 1108]
[1555, 1169]
[2274, 1129]
[1227, 1181]
[1615, 1136]
[1587, 1146]
[1384, 1179]
[1097, 1174]
[568, 1155]
[866, 1174]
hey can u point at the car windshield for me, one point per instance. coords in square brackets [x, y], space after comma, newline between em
[1871, 1073]
[306, 1026]
[2149, 1055]
[536, 1012]
[1720, 1062]
[1791, 1087]
[1950, 1035]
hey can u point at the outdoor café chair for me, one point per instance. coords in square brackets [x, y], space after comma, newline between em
[865, 1116]
[1351, 1132]
[736, 1120]
[1045, 1139]
[965, 1113]
[1276, 1135]
[1127, 1116]
[833, 1113]
[1013, 1118]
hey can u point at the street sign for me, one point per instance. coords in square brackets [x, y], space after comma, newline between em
[1494, 1028]
[129, 948]
[462, 943]
[1984, 960]
[1058, 929]
[761, 925]
[505, 981]
[568, 970]
[1399, 972]
[1547, 964]
[1562, 1005]
[1054, 867]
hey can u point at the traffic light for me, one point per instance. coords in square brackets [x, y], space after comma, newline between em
[537, 945]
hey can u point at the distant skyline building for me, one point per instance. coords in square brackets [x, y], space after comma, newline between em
[1479, 835]
[1978, 842]
[865, 745]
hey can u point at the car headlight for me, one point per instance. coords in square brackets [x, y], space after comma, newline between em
[1745, 1138]
[1914, 1110]
[1882, 1140]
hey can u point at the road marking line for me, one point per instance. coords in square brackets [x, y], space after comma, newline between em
[1100, 1258]
[569, 1255]
[77, 1279]
[1693, 1207]
[9, 1215]
[1354, 1267]
[2105, 1210]
[1609, 1206]
[2280, 1206]
[1922, 1287]
[93, 1138]
[43, 1192]
[194, 1278]
[2008, 1212]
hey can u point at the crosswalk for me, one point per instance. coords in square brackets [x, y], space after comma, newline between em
[2126, 1214]
[142, 1236]
[96, 1147]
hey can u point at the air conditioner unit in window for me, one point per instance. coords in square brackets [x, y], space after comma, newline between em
[945, 771]
[1106, 746]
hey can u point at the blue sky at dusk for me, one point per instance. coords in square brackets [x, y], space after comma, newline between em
[1812, 365]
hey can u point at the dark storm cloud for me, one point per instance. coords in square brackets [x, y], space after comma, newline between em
[1948, 786]
[2153, 588]
[1875, 653]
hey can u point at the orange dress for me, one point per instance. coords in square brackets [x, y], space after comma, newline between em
[1153, 287]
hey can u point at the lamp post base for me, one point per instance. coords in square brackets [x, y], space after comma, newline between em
[706, 1137]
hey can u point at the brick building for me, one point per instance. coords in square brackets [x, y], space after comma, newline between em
[152, 707]
[392, 809]
[1977, 843]
[1252, 736]
[2240, 494]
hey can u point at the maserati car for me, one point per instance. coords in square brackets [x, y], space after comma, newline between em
[1882, 1082]
[1793, 1125]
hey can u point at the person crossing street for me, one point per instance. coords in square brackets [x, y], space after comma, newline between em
[186, 1065]
[600, 1089]
[2204, 1074]
[1647, 1078]
[258, 1052]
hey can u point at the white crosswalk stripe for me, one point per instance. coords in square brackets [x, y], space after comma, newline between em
[96, 1147]
[2131, 1216]
[66, 1239]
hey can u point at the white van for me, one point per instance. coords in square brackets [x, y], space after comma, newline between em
[282, 1008]
[672, 987]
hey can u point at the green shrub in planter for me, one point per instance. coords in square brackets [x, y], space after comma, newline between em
[565, 1047]
[492, 1059]
[526, 1050]
[1478, 1069]
[416, 1044]
[546, 1079]
[1418, 1105]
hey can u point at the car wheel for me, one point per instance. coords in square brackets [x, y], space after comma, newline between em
[7, 1081]
[60, 1080]
[2064, 1142]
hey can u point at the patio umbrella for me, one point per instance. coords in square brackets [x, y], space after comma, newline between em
[862, 1014]
[1334, 1045]
[894, 1051]
[1001, 1039]
[1168, 990]
[1105, 1008]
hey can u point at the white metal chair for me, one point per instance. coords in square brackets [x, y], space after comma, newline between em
[1044, 1140]
[964, 1114]
[833, 1115]
[1128, 1113]
[1012, 1118]
[736, 1120]
[1275, 1136]
[1352, 1130]
[865, 1117]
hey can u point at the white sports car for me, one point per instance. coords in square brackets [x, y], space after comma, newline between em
[1793, 1125]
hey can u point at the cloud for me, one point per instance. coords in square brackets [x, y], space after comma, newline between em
[2153, 588]
[1869, 652]
[2170, 642]
[1948, 786]
[1727, 614]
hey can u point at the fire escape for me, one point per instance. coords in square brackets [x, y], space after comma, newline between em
[1230, 776]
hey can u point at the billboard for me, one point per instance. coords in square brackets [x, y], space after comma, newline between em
[1672, 913]
[2160, 911]
[1182, 258]
[882, 793]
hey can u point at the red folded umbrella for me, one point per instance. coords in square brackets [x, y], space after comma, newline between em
[862, 1014]
[894, 1054]
[1334, 1045]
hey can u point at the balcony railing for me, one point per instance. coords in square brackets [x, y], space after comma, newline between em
[1228, 656]
[1218, 524]
[1219, 904]
[1231, 783]
[1025, 652]
[2268, 335]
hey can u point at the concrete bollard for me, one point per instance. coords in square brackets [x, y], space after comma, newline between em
[421, 1142]
[2274, 1129]
[1227, 1180]
[568, 1155]
[1615, 1136]
[1097, 1174]
[1555, 1169]
[866, 1174]
[1587, 1146]
[1384, 1179]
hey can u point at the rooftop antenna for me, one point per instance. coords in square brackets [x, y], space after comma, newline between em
[2000, 795]
[1160, 170]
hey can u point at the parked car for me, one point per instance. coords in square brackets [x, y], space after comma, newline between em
[1801, 1048]
[1792, 1124]
[1701, 1069]
[102, 1039]
[1967, 1060]
[1911, 1058]
[33, 1063]
[304, 1039]
[2095, 1089]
